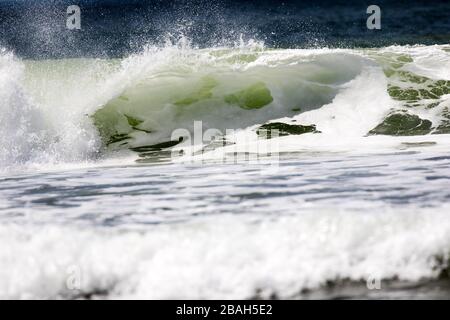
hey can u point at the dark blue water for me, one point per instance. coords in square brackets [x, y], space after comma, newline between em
[37, 28]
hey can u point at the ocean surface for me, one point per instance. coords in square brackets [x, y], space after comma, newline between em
[224, 150]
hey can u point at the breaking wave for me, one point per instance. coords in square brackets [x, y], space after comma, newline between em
[82, 109]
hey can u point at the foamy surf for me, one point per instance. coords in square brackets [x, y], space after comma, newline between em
[200, 246]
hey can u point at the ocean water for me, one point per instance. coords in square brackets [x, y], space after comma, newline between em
[293, 155]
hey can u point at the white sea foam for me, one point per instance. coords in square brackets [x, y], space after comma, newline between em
[225, 257]
[21, 125]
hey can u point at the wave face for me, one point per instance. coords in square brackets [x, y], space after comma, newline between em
[78, 109]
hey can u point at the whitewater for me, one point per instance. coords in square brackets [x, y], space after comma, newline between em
[96, 185]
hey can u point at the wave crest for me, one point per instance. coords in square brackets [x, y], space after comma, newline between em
[70, 110]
